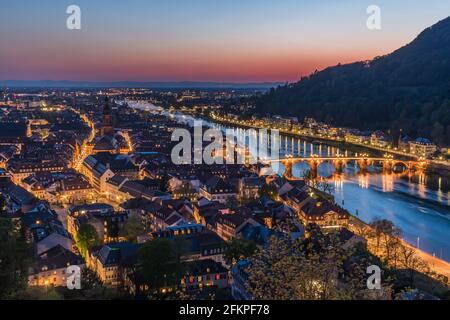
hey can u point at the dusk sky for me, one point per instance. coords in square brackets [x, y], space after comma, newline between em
[200, 40]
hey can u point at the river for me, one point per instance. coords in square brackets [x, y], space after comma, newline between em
[418, 204]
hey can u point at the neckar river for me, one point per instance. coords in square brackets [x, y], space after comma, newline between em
[418, 204]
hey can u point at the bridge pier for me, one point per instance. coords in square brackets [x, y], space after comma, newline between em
[410, 166]
[363, 166]
[339, 165]
[288, 170]
[421, 166]
[314, 165]
[388, 166]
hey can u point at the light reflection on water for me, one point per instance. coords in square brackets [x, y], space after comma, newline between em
[418, 204]
[423, 214]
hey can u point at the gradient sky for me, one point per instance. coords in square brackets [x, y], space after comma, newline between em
[200, 40]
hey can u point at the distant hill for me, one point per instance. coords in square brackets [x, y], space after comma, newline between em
[135, 84]
[408, 89]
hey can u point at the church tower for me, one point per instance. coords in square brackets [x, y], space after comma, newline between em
[107, 128]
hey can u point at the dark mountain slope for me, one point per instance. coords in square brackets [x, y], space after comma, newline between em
[408, 89]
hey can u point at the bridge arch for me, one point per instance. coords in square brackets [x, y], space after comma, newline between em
[402, 164]
[327, 168]
[340, 162]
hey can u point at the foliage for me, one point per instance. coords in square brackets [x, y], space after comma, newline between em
[86, 237]
[159, 263]
[320, 184]
[316, 268]
[39, 293]
[132, 228]
[407, 269]
[91, 289]
[387, 239]
[238, 249]
[2, 203]
[14, 261]
[164, 183]
[268, 190]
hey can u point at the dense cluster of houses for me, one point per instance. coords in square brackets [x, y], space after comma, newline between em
[201, 206]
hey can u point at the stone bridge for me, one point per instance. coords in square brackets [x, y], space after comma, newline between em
[340, 162]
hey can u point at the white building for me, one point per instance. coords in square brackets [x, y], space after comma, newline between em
[422, 147]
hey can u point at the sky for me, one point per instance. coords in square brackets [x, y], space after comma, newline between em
[200, 40]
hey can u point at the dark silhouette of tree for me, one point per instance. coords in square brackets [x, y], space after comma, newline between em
[159, 264]
[388, 239]
[132, 228]
[14, 260]
[238, 249]
[2, 203]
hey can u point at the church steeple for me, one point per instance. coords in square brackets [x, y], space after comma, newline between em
[107, 127]
[106, 109]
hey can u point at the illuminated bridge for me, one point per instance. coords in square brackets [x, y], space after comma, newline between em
[363, 161]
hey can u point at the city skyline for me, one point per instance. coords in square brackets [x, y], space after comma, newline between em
[199, 40]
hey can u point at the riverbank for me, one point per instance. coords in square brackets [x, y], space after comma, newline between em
[439, 168]
[433, 167]
[435, 264]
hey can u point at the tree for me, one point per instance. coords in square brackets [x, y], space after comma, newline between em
[309, 178]
[438, 133]
[86, 237]
[14, 260]
[89, 279]
[268, 191]
[2, 204]
[132, 228]
[159, 264]
[409, 261]
[356, 279]
[387, 239]
[319, 184]
[325, 186]
[316, 268]
[39, 293]
[91, 288]
[238, 249]
[164, 183]
[285, 271]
